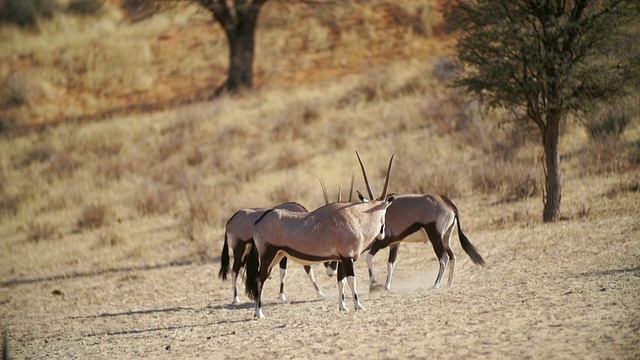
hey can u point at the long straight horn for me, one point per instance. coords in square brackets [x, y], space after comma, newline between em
[324, 192]
[386, 182]
[340, 194]
[366, 181]
[353, 178]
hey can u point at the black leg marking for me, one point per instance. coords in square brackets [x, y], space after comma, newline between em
[283, 263]
[348, 266]
[393, 253]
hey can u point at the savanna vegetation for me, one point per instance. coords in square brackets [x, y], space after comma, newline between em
[109, 160]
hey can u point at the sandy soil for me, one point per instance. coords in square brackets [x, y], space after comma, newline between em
[565, 290]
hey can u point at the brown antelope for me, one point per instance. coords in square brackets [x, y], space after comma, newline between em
[239, 236]
[436, 216]
[334, 232]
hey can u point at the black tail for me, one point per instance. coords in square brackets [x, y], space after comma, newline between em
[251, 273]
[224, 259]
[467, 246]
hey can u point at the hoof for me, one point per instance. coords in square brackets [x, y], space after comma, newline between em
[282, 297]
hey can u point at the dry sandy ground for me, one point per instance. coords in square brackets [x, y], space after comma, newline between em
[565, 290]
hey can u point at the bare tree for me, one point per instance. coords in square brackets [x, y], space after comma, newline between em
[552, 58]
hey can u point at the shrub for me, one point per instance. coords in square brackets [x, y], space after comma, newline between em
[25, 13]
[9, 204]
[41, 231]
[64, 164]
[40, 152]
[16, 90]
[137, 10]
[85, 7]
[93, 216]
[609, 155]
[154, 201]
[108, 239]
[608, 123]
[511, 180]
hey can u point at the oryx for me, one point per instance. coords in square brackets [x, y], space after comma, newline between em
[436, 216]
[334, 232]
[239, 236]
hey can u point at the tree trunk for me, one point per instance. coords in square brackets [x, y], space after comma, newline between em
[241, 46]
[553, 174]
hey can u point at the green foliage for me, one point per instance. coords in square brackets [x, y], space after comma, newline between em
[553, 57]
[26, 13]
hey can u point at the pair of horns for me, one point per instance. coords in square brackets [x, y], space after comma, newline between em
[326, 197]
[366, 180]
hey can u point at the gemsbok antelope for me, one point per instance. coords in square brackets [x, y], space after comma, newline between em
[334, 232]
[239, 236]
[436, 216]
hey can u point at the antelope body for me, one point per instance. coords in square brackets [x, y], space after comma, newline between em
[436, 216]
[239, 236]
[334, 232]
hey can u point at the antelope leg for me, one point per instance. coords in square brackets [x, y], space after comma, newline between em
[311, 277]
[351, 279]
[393, 255]
[283, 274]
[341, 304]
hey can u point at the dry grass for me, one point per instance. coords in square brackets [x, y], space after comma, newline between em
[96, 213]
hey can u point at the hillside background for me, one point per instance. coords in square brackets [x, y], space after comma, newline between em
[114, 157]
[367, 76]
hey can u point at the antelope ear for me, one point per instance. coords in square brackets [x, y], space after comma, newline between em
[361, 197]
[390, 198]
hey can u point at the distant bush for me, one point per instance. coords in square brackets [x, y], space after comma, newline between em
[41, 231]
[108, 239]
[26, 13]
[138, 10]
[153, 201]
[609, 123]
[93, 216]
[85, 7]
[9, 204]
[16, 90]
[512, 181]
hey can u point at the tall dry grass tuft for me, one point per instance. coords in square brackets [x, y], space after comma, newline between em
[9, 204]
[608, 151]
[108, 238]
[151, 200]
[510, 180]
[37, 231]
[93, 216]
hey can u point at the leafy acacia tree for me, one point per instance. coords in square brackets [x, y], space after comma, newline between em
[239, 20]
[552, 58]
